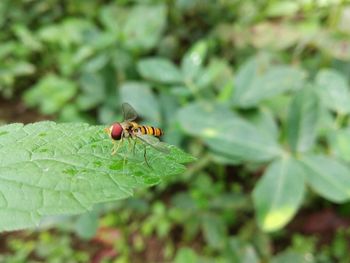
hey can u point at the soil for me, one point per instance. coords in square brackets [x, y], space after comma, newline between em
[12, 111]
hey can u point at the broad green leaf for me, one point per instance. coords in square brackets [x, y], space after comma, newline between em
[48, 169]
[328, 177]
[340, 143]
[186, 255]
[279, 193]
[144, 26]
[160, 70]
[71, 113]
[221, 158]
[21, 68]
[264, 120]
[277, 105]
[169, 107]
[27, 37]
[218, 75]
[302, 121]
[122, 60]
[186, 5]
[139, 95]
[96, 63]
[291, 257]
[112, 17]
[283, 8]
[247, 74]
[192, 62]
[257, 80]
[50, 94]
[74, 30]
[181, 91]
[93, 91]
[334, 90]
[239, 251]
[214, 230]
[326, 122]
[229, 201]
[224, 132]
[86, 225]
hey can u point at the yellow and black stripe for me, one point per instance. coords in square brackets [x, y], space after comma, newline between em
[150, 130]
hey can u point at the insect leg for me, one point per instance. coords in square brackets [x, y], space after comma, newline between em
[134, 146]
[145, 156]
[115, 149]
[129, 144]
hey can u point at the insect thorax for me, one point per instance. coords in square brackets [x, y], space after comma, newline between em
[129, 128]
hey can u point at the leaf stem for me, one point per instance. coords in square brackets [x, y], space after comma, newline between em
[199, 165]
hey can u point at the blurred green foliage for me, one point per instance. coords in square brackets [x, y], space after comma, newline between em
[257, 90]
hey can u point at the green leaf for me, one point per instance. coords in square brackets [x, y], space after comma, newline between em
[192, 62]
[302, 121]
[257, 80]
[48, 168]
[328, 177]
[159, 70]
[214, 231]
[282, 8]
[93, 91]
[86, 225]
[279, 193]
[334, 90]
[264, 120]
[74, 30]
[239, 251]
[340, 143]
[217, 75]
[290, 256]
[140, 96]
[112, 17]
[226, 133]
[144, 26]
[27, 37]
[50, 94]
[186, 255]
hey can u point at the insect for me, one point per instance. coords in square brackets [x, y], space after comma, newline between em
[129, 129]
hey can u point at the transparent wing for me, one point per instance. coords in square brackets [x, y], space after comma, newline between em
[128, 112]
[154, 142]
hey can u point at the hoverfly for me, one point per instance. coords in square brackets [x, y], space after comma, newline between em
[129, 129]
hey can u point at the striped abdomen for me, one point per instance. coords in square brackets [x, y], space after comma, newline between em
[150, 130]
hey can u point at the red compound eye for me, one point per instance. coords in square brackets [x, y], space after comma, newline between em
[116, 131]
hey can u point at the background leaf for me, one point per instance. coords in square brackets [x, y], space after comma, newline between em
[279, 193]
[214, 230]
[50, 94]
[328, 177]
[334, 90]
[303, 116]
[226, 133]
[48, 168]
[140, 96]
[340, 142]
[264, 120]
[144, 26]
[160, 70]
[186, 255]
[192, 62]
[290, 257]
[93, 91]
[257, 80]
[86, 225]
